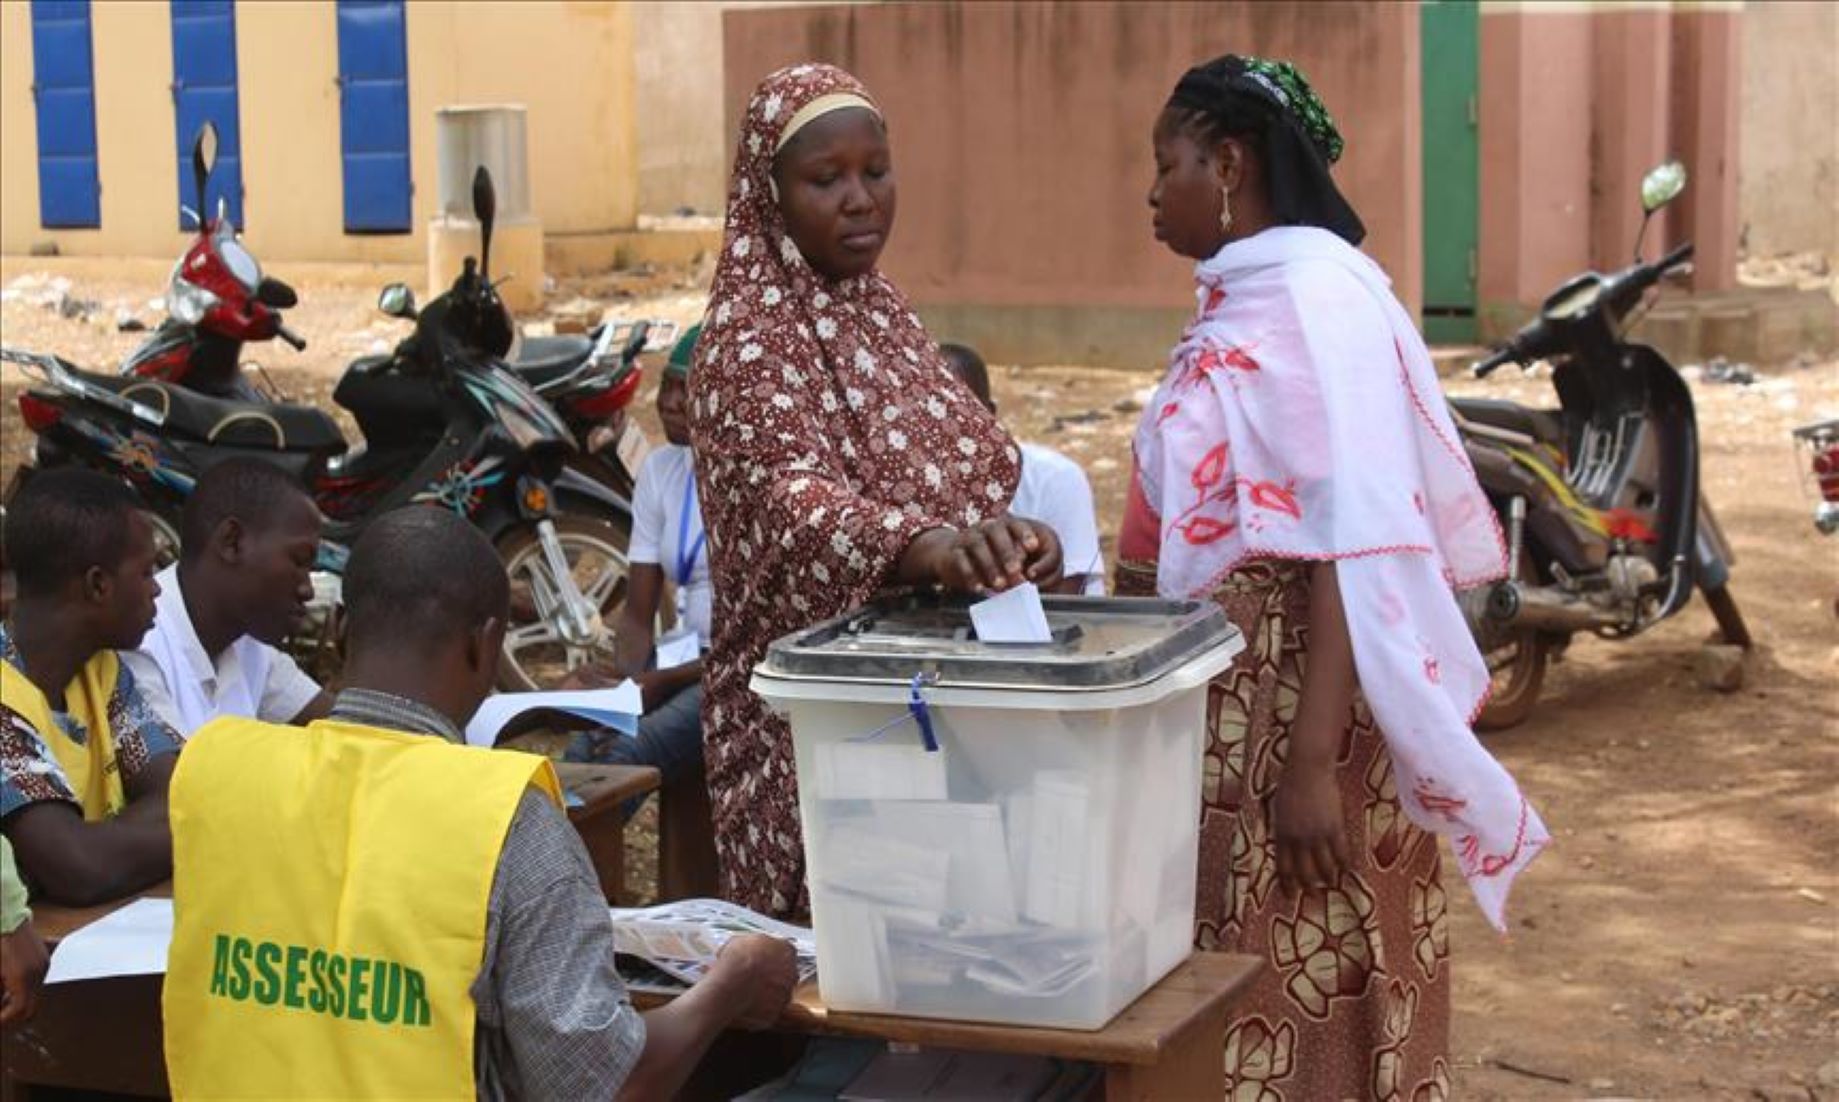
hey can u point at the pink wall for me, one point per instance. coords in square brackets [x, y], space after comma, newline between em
[1021, 130]
[1576, 106]
[1536, 209]
[1021, 136]
[1707, 103]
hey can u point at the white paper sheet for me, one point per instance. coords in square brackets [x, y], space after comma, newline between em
[678, 650]
[1015, 616]
[619, 707]
[879, 771]
[972, 834]
[129, 942]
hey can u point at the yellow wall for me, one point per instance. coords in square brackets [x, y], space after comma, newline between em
[137, 155]
[569, 63]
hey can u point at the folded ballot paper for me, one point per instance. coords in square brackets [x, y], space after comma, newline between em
[1013, 616]
[618, 708]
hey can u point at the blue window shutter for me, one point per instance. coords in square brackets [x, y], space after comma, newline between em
[204, 87]
[63, 84]
[373, 82]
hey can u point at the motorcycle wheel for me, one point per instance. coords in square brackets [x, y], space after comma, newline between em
[1724, 609]
[1516, 669]
[535, 654]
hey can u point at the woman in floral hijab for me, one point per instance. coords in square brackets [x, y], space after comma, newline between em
[837, 453]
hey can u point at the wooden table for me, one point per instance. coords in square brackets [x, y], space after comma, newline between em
[104, 1035]
[1166, 1045]
[601, 818]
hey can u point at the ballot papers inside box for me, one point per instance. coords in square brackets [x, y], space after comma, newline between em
[1000, 832]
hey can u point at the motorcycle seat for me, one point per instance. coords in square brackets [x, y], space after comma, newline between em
[1545, 426]
[543, 360]
[265, 425]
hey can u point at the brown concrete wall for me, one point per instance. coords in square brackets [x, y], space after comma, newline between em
[1536, 211]
[1633, 54]
[1707, 109]
[1578, 102]
[681, 144]
[1021, 139]
[1788, 180]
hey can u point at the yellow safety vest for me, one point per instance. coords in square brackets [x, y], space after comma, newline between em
[329, 894]
[90, 765]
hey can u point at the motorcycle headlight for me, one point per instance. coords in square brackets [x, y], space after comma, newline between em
[188, 302]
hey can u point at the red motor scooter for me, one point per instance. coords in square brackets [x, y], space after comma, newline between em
[216, 301]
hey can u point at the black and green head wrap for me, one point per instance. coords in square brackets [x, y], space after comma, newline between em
[1272, 103]
[683, 353]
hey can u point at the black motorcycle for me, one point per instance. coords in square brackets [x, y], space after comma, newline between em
[445, 423]
[1608, 529]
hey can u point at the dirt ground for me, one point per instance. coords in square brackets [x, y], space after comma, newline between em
[1681, 937]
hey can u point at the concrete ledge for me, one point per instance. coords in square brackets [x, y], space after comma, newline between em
[1760, 325]
[589, 253]
[1132, 338]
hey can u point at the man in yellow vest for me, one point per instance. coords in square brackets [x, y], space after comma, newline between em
[84, 763]
[369, 908]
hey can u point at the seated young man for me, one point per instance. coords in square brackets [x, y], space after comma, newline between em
[374, 909]
[1053, 489]
[667, 541]
[84, 763]
[250, 537]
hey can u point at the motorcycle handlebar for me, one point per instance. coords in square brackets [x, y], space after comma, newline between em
[1501, 358]
[291, 337]
[1674, 259]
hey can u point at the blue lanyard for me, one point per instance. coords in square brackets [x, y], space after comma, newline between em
[687, 553]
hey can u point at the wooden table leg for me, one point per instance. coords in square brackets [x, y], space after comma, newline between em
[605, 840]
[1193, 1066]
[686, 841]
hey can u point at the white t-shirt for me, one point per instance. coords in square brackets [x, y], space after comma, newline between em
[660, 531]
[187, 689]
[1054, 490]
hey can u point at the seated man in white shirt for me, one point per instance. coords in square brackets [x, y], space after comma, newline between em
[1053, 489]
[667, 542]
[250, 535]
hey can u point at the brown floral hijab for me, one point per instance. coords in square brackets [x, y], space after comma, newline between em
[850, 349]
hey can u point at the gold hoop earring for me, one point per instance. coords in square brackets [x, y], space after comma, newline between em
[1225, 209]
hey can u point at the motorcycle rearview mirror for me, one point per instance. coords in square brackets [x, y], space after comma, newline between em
[485, 209]
[204, 159]
[1660, 186]
[398, 302]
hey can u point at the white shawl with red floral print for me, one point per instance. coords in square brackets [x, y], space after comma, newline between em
[1300, 419]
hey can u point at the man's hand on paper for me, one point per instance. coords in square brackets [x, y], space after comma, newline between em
[759, 973]
[23, 961]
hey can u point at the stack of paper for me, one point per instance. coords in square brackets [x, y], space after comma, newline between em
[619, 707]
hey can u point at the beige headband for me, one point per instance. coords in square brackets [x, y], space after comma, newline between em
[822, 105]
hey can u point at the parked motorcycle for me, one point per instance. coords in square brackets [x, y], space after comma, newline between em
[1819, 444]
[216, 300]
[445, 423]
[590, 381]
[1608, 530]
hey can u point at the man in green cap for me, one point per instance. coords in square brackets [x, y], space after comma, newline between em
[667, 543]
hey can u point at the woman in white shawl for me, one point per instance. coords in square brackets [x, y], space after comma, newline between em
[1298, 466]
